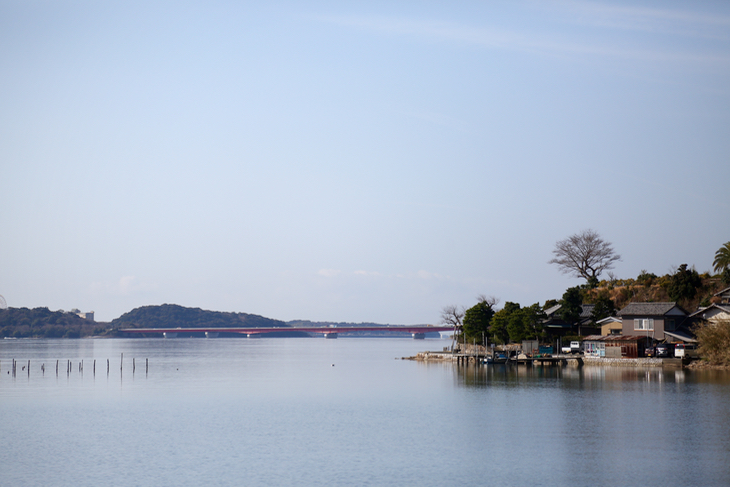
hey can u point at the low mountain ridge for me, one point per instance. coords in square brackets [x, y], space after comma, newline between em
[173, 316]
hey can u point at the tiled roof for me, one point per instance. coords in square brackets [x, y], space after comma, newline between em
[613, 338]
[722, 307]
[551, 310]
[647, 309]
[722, 291]
[587, 310]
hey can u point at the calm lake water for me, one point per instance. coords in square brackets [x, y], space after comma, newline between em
[311, 412]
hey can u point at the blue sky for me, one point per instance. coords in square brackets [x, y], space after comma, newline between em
[353, 161]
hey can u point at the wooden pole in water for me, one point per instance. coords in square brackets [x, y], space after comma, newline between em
[28, 368]
[121, 362]
[56, 367]
[107, 366]
[146, 365]
[134, 365]
[94, 366]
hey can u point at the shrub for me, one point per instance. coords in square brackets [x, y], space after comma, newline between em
[646, 278]
[713, 338]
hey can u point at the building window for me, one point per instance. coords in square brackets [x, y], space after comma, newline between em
[643, 323]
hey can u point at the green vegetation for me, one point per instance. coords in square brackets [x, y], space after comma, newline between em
[475, 327]
[722, 258]
[714, 341]
[513, 323]
[172, 315]
[586, 255]
[683, 284]
[604, 307]
[722, 263]
[572, 305]
[44, 323]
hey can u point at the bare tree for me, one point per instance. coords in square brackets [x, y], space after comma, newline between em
[585, 255]
[452, 315]
[490, 300]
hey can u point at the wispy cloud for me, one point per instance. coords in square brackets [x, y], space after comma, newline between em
[630, 17]
[367, 273]
[553, 40]
[329, 272]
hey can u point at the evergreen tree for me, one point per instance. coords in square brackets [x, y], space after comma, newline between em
[475, 326]
[571, 305]
[683, 284]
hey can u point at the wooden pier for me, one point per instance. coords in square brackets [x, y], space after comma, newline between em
[481, 358]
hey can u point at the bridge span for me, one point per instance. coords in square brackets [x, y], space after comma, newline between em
[417, 332]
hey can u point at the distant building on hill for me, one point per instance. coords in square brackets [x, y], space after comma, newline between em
[87, 316]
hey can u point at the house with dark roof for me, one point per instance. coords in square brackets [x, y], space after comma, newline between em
[554, 324]
[658, 321]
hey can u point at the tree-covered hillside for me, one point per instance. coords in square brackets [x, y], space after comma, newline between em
[44, 323]
[173, 316]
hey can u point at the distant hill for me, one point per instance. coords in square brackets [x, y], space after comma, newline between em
[44, 323]
[173, 316]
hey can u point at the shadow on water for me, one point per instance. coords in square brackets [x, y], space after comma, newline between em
[506, 376]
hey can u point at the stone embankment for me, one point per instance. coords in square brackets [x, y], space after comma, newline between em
[612, 362]
[433, 357]
[633, 362]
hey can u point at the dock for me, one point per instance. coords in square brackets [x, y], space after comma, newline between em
[481, 358]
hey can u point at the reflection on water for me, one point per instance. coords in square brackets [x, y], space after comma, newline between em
[349, 412]
[570, 376]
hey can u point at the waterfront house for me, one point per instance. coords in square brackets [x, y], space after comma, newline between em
[614, 346]
[656, 321]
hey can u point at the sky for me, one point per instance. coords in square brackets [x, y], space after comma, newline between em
[353, 161]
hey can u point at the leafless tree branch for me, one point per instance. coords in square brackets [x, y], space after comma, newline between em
[584, 254]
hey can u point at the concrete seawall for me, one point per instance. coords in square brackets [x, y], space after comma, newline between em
[608, 362]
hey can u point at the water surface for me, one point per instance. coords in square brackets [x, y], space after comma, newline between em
[295, 411]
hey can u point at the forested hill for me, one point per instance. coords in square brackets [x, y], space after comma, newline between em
[173, 315]
[42, 322]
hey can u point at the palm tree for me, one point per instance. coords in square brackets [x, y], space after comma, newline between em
[722, 258]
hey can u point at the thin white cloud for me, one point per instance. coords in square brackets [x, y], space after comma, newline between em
[647, 19]
[328, 272]
[556, 43]
[367, 273]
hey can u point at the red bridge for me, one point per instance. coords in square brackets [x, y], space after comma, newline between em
[328, 331]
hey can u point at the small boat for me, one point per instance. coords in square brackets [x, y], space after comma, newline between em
[497, 358]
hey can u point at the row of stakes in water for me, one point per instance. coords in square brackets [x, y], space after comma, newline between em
[14, 366]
